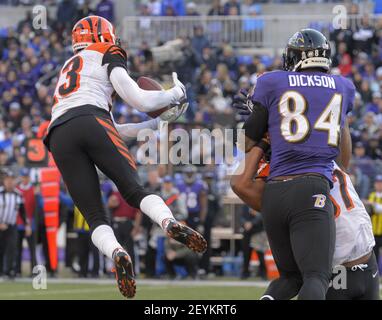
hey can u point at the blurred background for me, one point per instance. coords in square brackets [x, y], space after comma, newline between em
[217, 48]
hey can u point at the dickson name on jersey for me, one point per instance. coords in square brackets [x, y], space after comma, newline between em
[305, 80]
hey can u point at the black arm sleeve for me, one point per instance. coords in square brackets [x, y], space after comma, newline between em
[257, 123]
[115, 57]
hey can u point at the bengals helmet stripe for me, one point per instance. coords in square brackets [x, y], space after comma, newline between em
[89, 20]
[99, 28]
[92, 29]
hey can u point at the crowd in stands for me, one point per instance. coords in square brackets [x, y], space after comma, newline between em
[30, 60]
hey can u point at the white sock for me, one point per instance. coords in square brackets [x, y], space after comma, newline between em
[104, 239]
[154, 207]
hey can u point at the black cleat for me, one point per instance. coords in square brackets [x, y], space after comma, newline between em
[124, 273]
[189, 237]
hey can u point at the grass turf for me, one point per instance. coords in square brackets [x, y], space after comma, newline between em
[107, 291]
[17, 291]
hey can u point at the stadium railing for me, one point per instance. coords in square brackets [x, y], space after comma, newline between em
[240, 31]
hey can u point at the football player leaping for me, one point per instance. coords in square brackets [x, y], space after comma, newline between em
[82, 135]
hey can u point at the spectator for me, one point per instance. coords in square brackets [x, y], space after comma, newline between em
[178, 255]
[213, 210]
[343, 59]
[66, 14]
[169, 11]
[199, 41]
[191, 9]
[105, 8]
[228, 58]
[360, 181]
[369, 124]
[195, 193]
[232, 4]
[154, 7]
[85, 9]
[363, 161]
[177, 7]
[375, 199]
[233, 11]
[253, 26]
[364, 37]
[85, 246]
[27, 21]
[153, 185]
[175, 254]
[373, 149]
[126, 222]
[186, 67]
[30, 203]
[174, 200]
[252, 224]
[216, 9]
[144, 20]
[359, 109]
[5, 161]
[209, 58]
[15, 115]
[204, 83]
[373, 106]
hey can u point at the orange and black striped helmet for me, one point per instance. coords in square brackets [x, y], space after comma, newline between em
[90, 30]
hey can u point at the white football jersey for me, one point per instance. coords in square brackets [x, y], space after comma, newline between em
[354, 234]
[84, 78]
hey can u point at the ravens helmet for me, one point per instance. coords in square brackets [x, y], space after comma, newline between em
[190, 174]
[307, 48]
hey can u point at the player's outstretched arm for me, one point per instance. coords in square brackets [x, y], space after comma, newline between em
[343, 159]
[244, 185]
[131, 130]
[144, 100]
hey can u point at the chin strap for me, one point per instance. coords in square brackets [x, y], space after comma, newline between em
[297, 65]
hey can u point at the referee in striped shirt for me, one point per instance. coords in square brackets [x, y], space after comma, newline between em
[11, 204]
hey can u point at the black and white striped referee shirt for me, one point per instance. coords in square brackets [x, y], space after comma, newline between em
[11, 203]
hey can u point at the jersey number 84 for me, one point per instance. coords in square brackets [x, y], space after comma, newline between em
[295, 126]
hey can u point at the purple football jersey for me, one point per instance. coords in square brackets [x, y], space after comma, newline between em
[306, 113]
[191, 192]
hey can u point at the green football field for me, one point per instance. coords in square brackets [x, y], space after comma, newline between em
[109, 291]
[146, 290]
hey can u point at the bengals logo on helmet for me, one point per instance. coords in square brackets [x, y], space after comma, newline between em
[92, 29]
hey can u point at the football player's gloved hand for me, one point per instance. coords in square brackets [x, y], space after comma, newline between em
[174, 113]
[242, 102]
[179, 88]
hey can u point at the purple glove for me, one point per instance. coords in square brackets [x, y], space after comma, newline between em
[242, 102]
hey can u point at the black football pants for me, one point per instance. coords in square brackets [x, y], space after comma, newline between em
[81, 144]
[362, 283]
[299, 221]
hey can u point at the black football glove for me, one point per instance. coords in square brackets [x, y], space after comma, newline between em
[242, 102]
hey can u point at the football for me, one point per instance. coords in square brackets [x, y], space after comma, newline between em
[146, 83]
